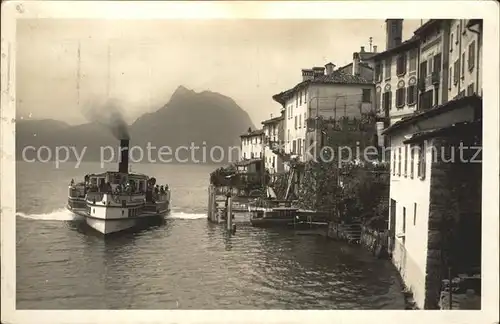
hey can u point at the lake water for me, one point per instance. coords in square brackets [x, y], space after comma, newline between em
[187, 263]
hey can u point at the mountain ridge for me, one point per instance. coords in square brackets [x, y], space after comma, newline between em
[189, 118]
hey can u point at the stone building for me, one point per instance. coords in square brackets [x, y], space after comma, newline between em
[323, 93]
[273, 128]
[428, 209]
[252, 144]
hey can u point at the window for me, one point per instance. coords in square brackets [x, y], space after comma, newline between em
[472, 49]
[394, 162]
[300, 97]
[400, 97]
[450, 82]
[295, 122]
[458, 33]
[386, 101]
[456, 75]
[414, 214]
[463, 65]
[413, 60]
[294, 146]
[470, 89]
[367, 95]
[430, 62]
[437, 63]
[305, 120]
[451, 42]
[401, 64]
[387, 65]
[300, 121]
[299, 146]
[436, 96]
[426, 99]
[399, 161]
[421, 161]
[423, 70]
[378, 98]
[296, 100]
[378, 72]
[412, 161]
[411, 96]
[305, 96]
[406, 162]
[288, 137]
[404, 225]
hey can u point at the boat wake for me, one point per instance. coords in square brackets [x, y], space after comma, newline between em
[61, 214]
[182, 215]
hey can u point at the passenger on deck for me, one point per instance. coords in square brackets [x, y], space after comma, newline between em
[157, 189]
[162, 190]
[72, 182]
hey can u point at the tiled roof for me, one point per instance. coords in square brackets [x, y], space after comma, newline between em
[272, 120]
[454, 129]
[473, 22]
[337, 77]
[256, 132]
[431, 23]
[407, 44]
[360, 63]
[473, 100]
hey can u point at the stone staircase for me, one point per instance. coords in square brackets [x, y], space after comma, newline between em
[351, 231]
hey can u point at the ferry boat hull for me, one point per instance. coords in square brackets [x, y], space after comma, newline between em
[113, 201]
[108, 220]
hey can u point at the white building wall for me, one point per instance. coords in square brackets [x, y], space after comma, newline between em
[459, 50]
[410, 256]
[295, 125]
[410, 251]
[393, 82]
[326, 100]
[432, 44]
[251, 145]
[270, 158]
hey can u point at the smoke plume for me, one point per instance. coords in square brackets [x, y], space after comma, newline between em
[109, 114]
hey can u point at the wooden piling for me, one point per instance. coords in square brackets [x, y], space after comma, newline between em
[229, 216]
[209, 207]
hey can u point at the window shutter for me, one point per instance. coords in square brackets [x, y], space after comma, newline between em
[389, 99]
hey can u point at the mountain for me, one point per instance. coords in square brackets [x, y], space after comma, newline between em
[189, 119]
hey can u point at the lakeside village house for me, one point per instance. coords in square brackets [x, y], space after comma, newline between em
[428, 91]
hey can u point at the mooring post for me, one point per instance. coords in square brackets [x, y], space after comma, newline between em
[209, 212]
[229, 216]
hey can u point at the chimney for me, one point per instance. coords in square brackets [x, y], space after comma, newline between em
[124, 154]
[362, 49]
[355, 64]
[318, 71]
[307, 74]
[394, 32]
[329, 68]
[374, 48]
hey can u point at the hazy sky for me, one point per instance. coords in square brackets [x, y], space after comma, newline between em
[247, 60]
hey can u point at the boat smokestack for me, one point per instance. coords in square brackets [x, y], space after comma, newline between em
[124, 156]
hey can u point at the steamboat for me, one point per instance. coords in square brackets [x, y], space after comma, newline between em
[112, 202]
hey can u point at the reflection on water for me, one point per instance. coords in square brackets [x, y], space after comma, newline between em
[186, 262]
